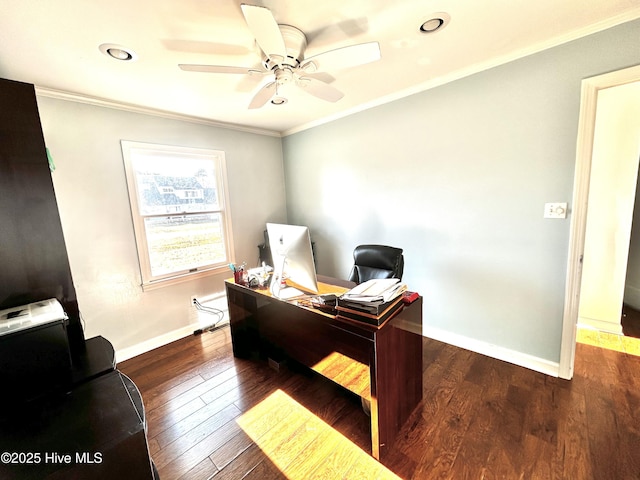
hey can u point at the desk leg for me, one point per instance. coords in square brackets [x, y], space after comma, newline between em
[396, 380]
[242, 311]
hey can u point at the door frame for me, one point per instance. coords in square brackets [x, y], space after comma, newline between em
[582, 177]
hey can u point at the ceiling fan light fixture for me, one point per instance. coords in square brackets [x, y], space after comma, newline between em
[435, 22]
[278, 101]
[118, 52]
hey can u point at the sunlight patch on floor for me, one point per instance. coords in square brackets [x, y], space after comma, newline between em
[345, 371]
[302, 446]
[610, 341]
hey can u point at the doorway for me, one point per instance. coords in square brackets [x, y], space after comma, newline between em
[587, 202]
[612, 194]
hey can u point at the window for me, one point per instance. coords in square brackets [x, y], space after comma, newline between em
[180, 211]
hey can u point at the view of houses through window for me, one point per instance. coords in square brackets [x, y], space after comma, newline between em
[178, 204]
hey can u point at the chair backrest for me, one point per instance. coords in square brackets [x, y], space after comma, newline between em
[376, 261]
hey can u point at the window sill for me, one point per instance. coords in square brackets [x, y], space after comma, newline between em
[187, 277]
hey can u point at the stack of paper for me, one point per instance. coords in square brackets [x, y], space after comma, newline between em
[380, 290]
[372, 302]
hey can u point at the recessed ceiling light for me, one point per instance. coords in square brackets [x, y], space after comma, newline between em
[118, 52]
[435, 22]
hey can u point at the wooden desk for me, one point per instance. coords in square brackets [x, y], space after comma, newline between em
[381, 364]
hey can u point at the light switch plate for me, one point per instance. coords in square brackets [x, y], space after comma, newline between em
[555, 210]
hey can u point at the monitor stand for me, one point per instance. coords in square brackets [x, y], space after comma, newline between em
[289, 293]
[278, 290]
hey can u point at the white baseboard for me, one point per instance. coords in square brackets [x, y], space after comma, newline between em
[217, 301]
[147, 345]
[600, 325]
[501, 353]
[517, 358]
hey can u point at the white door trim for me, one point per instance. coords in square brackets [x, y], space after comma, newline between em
[584, 150]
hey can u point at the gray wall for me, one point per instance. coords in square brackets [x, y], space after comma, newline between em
[92, 197]
[458, 176]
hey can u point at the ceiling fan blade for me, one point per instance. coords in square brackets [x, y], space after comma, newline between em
[263, 95]
[345, 57]
[215, 69]
[320, 89]
[265, 29]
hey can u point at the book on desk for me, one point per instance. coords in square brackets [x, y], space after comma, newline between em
[372, 315]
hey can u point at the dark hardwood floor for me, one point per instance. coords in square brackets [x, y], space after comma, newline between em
[210, 414]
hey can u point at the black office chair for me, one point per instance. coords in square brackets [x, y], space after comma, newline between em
[376, 261]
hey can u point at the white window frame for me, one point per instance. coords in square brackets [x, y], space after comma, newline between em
[149, 281]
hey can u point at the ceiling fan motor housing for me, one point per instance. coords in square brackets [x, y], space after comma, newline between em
[295, 43]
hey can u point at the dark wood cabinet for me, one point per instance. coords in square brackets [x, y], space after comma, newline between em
[65, 411]
[33, 256]
[96, 431]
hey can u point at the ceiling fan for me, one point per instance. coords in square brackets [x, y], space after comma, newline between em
[283, 48]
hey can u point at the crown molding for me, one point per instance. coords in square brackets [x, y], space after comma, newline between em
[628, 16]
[127, 107]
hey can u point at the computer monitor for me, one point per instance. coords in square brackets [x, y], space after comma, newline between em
[293, 260]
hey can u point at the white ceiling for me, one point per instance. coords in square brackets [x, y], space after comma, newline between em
[54, 45]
